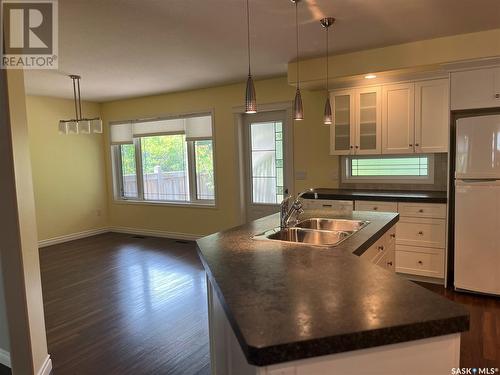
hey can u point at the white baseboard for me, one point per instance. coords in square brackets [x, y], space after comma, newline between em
[5, 358]
[46, 367]
[71, 237]
[155, 233]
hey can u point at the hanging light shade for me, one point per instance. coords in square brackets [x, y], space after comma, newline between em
[298, 110]
[79, 124]
[250, 97]
[327, 115]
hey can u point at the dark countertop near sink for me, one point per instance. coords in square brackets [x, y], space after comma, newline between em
[289, 301]
[379, 195]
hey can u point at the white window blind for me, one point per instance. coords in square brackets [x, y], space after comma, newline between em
[416, 166]
[194, 127]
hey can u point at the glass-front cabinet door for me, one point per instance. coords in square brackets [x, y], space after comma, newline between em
[341, 131]
[368, 123]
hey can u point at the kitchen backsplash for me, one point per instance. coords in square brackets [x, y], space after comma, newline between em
[440, 179]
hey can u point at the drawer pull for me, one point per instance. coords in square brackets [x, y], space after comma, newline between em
[327, 205]
[420, 262]
[381, 248]
[421, 233]
[421, 210]
[375, 208]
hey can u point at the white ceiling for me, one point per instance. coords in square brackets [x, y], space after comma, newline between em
[128, 48]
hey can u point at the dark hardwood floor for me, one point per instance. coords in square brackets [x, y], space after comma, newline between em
[118, 304]
[480, 346]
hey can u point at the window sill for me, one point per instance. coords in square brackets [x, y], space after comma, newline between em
[164, 203]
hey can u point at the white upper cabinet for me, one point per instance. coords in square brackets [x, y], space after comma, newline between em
[475, 89]
[357, 118]
[342, 129]
[398, 118]
[431, 116]
[368, 122]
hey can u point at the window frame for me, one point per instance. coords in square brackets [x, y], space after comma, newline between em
[347, 178]
[118, 188]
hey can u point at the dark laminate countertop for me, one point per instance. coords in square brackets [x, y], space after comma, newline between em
[290, 301]
[379, 195]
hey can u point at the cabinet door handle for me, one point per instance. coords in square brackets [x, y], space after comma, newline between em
[351, 146]
[411, 145]
[416, 144]
[381, 248]
[420, 262]
[393, 235]
[421, 233]
[357, 146]
[497, 96]
[389, 264]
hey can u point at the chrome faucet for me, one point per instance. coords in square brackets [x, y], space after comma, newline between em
[291, 211]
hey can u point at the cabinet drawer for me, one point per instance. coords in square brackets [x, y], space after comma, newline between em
[376, 206]
[437, 211]
[421, 232]
[376, 251]
[317, 204]
[420, 263]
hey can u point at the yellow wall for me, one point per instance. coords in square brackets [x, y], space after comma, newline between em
[311, 145]
[68, 171]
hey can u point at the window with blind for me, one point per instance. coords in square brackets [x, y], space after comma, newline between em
[164, 160]
[389, 168]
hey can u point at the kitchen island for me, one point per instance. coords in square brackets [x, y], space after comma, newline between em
[290, 308]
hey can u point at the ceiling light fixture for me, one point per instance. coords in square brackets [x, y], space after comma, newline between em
[79, 125]
[327, 116]
[250, 97]
[370, 76]
[298, 111]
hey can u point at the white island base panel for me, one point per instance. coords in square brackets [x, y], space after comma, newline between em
[432, 356]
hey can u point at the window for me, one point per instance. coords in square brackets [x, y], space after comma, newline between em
[165, 160]
[393, 168]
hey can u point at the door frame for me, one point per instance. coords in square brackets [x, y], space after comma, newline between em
[241, 165]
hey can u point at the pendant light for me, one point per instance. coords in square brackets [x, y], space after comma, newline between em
[250, 98]
[298, 111]
[327, 116]
[79, 124]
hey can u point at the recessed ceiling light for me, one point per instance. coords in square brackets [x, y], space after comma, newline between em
[370, 76]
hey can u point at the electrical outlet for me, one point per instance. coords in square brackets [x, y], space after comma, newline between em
[300, 175]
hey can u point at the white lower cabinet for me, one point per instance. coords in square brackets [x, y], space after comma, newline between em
[382, 252]
[421, 261]
[418, 239]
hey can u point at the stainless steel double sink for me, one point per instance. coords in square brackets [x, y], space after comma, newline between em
[316, 231]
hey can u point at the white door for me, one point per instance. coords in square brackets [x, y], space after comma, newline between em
[432, 116]
[477, 236]
[398, 118]
[342, 137]
[268, 170]
[478, 147]
[368, 124]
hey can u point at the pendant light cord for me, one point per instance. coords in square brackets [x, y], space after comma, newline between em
[74, 97]
[297, 40]
[79, 100]
[327, 60]
[248, 37]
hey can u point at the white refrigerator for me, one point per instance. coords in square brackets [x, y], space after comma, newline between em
[477, 204]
